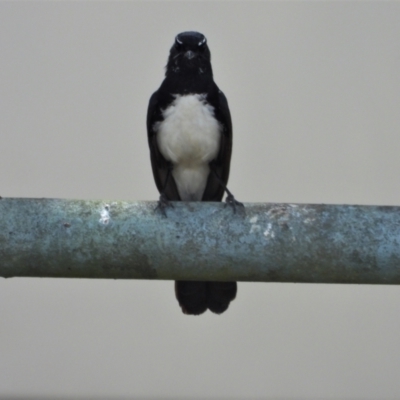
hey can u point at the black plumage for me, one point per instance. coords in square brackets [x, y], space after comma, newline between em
[191, 158]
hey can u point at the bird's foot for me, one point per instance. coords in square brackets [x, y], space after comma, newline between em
[163, 204]
[232, 202]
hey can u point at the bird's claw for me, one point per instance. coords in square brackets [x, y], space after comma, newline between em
[232, 202]
[163, 204]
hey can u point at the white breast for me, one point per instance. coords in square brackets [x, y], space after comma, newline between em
[189, 137]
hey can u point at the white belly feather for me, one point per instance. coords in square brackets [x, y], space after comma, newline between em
[189, 137]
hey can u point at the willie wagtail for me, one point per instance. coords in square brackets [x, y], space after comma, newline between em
[190, 137]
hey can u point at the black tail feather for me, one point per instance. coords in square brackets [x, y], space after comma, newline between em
[220, 294]
[196, 297]
[192, 296]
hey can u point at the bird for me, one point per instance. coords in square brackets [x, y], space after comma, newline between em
[189, 130]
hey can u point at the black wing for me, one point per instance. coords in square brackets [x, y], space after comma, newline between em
[160, 166]
[214, 191]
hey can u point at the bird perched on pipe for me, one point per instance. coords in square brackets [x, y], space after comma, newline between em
[190, 138]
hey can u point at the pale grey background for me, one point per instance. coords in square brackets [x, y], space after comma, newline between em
[314, 91]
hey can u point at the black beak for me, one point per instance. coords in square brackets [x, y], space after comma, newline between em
[190, 54]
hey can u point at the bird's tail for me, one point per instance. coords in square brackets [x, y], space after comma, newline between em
[196, 297]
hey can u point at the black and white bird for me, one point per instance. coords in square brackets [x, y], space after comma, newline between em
[190, 137]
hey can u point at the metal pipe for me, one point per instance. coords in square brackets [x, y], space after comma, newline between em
[200, 241]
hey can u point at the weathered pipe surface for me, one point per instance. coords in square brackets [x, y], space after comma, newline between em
[207, 241]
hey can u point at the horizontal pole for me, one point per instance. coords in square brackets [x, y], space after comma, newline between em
[200, 241]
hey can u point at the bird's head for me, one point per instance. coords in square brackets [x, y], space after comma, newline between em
[189, 53]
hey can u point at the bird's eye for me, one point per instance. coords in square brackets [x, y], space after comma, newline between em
[178, 43]
[202, 42]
